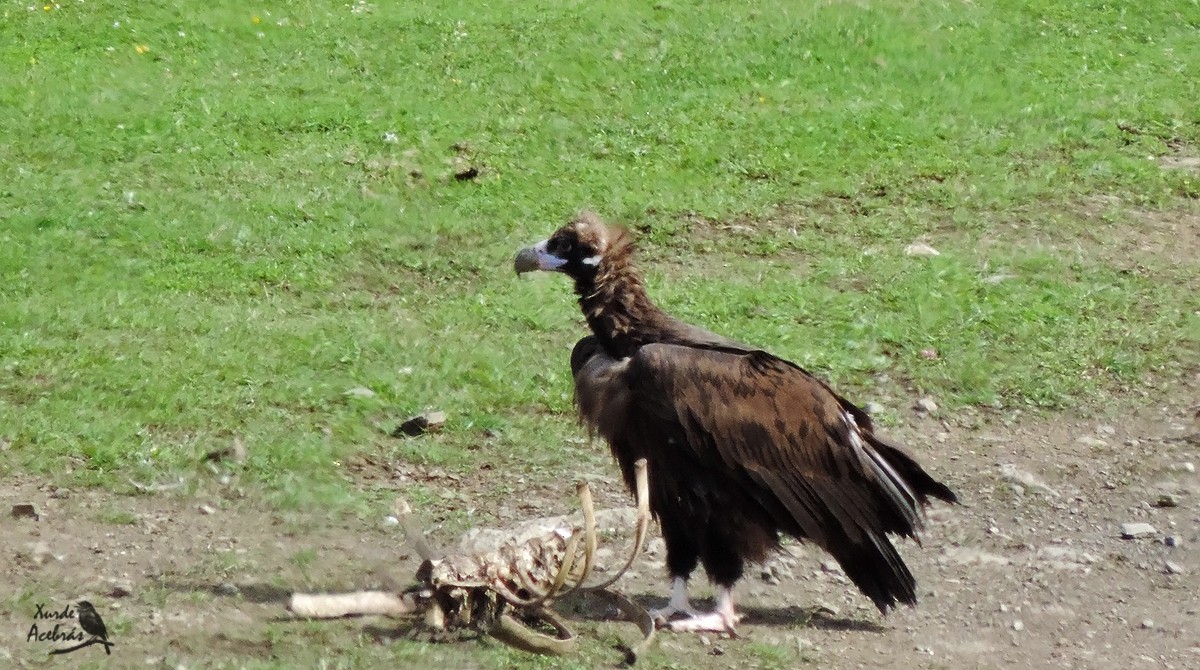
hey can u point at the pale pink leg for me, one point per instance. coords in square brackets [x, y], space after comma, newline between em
[679, 602]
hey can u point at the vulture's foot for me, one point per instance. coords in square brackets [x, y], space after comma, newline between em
[712, 622]
[722, 619]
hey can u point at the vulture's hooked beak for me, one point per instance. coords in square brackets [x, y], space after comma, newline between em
[537, 258]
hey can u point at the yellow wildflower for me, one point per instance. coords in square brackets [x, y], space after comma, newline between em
[256, 20]
[142, 48]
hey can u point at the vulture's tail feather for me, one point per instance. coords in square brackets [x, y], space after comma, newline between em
[878, 571]
[914, 475]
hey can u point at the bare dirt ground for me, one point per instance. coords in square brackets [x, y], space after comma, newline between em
[1031, 571]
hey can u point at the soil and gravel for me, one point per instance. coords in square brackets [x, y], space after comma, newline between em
[1032, 570]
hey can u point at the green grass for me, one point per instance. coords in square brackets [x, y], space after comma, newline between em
[222, 233]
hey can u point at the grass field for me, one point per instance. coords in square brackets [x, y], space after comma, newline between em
[218, 219]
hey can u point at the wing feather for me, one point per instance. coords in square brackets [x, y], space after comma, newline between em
[766, 427]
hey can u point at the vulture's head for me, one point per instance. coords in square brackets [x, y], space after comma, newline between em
[578, 249]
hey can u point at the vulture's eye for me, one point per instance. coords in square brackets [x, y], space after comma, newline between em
[559, 248]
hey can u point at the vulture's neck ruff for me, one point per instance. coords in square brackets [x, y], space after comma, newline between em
[615, 303]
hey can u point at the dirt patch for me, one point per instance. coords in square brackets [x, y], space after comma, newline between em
[1031, 571]
[1124, 234]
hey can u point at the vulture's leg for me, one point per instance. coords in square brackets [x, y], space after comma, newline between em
[683, 555]
[679, 603]
[721, 620]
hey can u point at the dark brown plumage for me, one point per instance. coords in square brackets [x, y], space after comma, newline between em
[741, 445]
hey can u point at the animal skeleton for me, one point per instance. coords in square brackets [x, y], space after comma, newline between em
[493, 592]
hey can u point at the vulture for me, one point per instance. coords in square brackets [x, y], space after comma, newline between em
[741, 446]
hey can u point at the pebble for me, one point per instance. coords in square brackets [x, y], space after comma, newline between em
[1018, 625]
[121, 588]
[1130, 531]
[390, 521]
[1172, 568]
[1167, 500]
[227, 589]
[360, 392]
[429, 422]
[656, 546]
[1147, 624]
[25, 511]
[873, 408]
[207, 509]
[1172, 541]
[1089, 441]
[38, 553]
[920, 249]
[1014, 475]
[926, 405]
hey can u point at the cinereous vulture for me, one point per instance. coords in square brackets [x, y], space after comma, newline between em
[741, 445]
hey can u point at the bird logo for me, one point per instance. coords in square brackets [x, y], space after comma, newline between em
[92, 624]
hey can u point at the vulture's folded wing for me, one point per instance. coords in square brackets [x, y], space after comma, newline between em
[784, 430]
[804, 455]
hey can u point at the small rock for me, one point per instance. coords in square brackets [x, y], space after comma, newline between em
[1167, 500]
[360, 392]
[38, 553]
[1011, 474]
[1130, 531]
[655, 547]
[1189, 467]
[235, 452]
[429, 422]
[1089, 441]
[227, 589]
[831, 566]
[825, 608]
[1018, 625]
[929, 354]
[25, 511]
[873, 408]
[1172, 568]
[1172, 541]
[1147, 624]
[1106, 430]
[207, 509]
[971, 556]
[390, 521]
[920, 249]
[466, 174]
[121, 588]
[926, 405]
